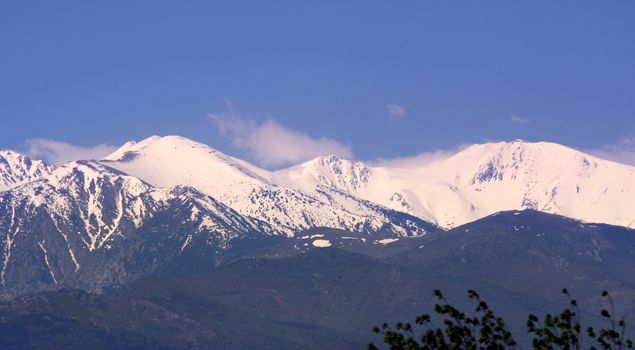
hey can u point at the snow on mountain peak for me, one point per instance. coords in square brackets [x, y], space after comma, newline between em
[483, 179]
[171, 161]
[328, 171]
[16, 169]
[544, 176]
[519, 160]
[130, 148]
[174, 160]
[478, 181]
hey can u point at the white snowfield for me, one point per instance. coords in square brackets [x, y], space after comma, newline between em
[172, 160]
[482, 180]
[333, 192]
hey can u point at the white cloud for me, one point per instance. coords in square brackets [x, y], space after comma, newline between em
[271, 144]
[622, 151]
[59, 152]
[418, 159]
[396, 110]
[516, 119]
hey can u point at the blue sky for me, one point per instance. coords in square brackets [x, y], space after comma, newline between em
[367, 79]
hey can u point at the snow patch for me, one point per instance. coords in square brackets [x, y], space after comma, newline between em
[386, 241]
[321, 243]
[46, 260]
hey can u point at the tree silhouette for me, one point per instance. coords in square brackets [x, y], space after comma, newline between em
[485, 330]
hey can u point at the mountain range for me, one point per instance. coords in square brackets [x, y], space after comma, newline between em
[476, 182]
[97, 239]
[93, 224]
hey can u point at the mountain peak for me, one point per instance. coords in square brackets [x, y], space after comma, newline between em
[17, 168]
[329, 160]
[172, 139]
[167, 161]
[515, 152]
[329, 170]
[171, 161]
[130, 149]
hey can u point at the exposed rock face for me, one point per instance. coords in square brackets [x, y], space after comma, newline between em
[88, 226]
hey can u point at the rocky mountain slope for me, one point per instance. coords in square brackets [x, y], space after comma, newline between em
[88, 226]
[16, 169]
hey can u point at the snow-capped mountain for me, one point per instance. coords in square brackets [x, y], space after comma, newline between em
[173, 160]
[162, 204]
[482, 180]
[16, 169]
[474, 183]
[169, 202]
[88, 226]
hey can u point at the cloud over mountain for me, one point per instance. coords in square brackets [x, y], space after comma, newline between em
[271, 144]
[622, 151]
[420, 159]
[59, 152]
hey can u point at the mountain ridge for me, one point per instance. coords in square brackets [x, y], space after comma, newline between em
[17, 168]
[483, 179]
[88, 225]
[173, 160]
[170, 202]
[475, 182]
